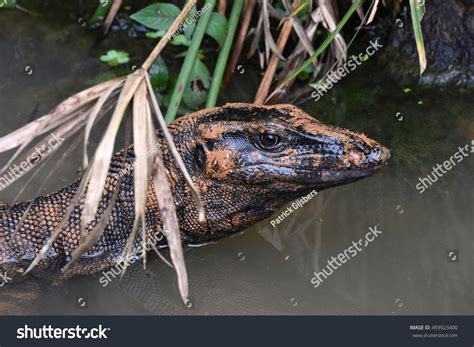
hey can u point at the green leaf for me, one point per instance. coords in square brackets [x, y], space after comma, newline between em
[217, 27]
[7, 3]
[180, 40]
[158, 16]
[114, 58]
[195, 93]
[159, 74]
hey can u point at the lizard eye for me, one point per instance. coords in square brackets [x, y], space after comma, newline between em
[269, 140]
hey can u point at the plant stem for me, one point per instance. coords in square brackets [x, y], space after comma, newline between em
[189, 62]
[224, 53]
[221, 7]
[165, 39]
[239, 42]
[267, 79]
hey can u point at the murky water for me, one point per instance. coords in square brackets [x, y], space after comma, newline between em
[420, 263]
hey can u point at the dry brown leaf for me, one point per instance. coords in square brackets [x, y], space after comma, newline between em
[58, 116]
[170, 223]
[269, 42]
[299, 29]
[141, 146]
[330, 22]
[103, 154]
[108, 94]
[63, 132]
[174, 151]
[372, 13]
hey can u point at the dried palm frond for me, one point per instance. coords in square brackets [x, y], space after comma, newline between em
[83, 110]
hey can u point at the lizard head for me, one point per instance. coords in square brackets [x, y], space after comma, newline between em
[250, 160]
[280, 146]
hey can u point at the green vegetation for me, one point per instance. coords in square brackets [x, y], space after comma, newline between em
[115, 58]
[194, 87]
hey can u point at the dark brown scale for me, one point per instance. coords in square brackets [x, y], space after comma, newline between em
[242, 175]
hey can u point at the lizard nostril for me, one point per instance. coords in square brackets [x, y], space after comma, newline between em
[199, 157]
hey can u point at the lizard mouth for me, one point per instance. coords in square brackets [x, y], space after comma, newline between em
[374, 162]
[334, 169]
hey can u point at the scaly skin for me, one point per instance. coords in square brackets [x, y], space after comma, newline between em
[247, 161]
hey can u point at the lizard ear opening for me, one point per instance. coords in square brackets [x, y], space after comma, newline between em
[199, 157]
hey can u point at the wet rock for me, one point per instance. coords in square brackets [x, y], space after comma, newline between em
[448, 32]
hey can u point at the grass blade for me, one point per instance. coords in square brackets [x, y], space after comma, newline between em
[330, 20]
[321, 48]
[417, 8]
[239, 42]
[272, 66]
